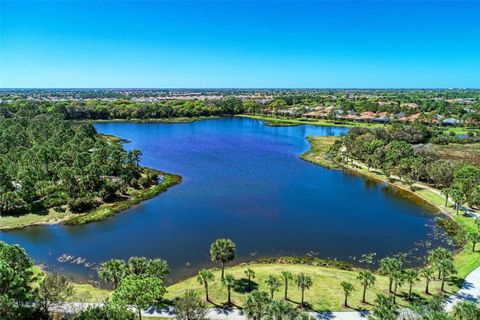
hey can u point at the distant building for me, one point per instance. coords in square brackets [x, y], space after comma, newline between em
[450, 122]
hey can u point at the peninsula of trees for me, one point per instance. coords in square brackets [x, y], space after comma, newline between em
[47, 162]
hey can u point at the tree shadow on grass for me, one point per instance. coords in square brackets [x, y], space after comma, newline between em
[306, 305]
[242, 286]
[456, 281]
[417, 299]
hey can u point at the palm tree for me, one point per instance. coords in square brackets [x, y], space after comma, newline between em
[398, 278]
[273, 284]
[256, 305]
[411, 275]
[281, 309]
[250, 275]
[385, 309]
[229, 281]
[222, 251]
[437, 255]
[286, 275]
[446, 268]
[303, 282]
[367, 279]
[347, 290]
[457, 196]
[466, 310]
[446, 192]
[474, 237]
[388, 266]
[427, 273]
[204, 276]
[113, 271]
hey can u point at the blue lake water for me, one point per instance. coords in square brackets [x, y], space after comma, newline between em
[245, 181]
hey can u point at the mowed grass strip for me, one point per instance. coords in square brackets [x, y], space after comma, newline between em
[325, 295]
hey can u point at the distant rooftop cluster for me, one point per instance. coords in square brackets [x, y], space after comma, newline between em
[452, 107]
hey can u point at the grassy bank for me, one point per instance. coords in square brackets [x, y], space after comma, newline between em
[465, 260]
[318, 152]
[282, 122]
[325, 294]
[276, 121]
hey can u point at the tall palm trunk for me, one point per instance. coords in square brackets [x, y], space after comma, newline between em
[427, 282]
[303, 295]
[364, 294]
[206, 292]
[346, 301]
[390, 285]
[229, 296]
[286, 289]
[394, 293]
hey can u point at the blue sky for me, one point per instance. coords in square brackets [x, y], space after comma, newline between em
[377, 44]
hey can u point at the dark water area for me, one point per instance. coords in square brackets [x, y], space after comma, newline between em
[245, 181]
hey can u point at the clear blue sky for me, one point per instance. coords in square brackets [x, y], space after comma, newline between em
[378, 44]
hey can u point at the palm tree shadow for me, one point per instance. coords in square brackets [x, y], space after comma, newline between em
[242, 286]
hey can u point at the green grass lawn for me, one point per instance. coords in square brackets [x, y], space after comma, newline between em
[325, 294]
[84, 292]
[49, 217]
[319, 147]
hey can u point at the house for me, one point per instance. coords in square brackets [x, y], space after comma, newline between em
[315, 114]
[411, 118]
[409, 105]
[382, 119]
[366, 116]
[450, 122]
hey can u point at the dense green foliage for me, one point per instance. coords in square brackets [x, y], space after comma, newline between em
[108, 311]
[190, 307]
[48, 162]
[115, 270]
[403, 151]
[16, 281]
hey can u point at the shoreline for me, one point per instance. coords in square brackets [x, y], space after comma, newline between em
[105, 210]
[87, 287]
[464, 259]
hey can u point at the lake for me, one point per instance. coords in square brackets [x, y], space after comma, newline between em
[245, 181]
